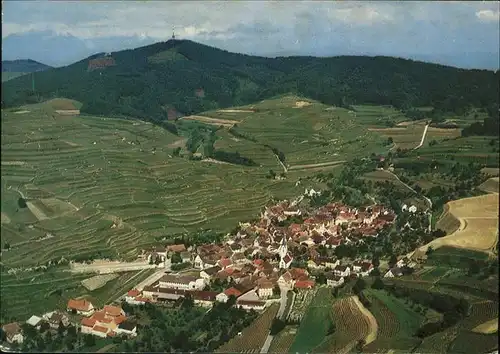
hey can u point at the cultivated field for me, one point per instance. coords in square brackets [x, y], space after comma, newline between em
[396, 322]
[283, 341]
[478, 228]
[309, 135]
[252, 338]
[491, 185]
[315, 323]
[33, 293]
[351, 325]
[487, 327]
[111, 186]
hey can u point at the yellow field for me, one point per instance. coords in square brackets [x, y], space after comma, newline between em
[491, 185]
[478, 229]
[487, 327]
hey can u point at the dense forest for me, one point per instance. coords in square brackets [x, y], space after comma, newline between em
[146, 82]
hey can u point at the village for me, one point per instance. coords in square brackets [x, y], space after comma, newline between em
[254, 268]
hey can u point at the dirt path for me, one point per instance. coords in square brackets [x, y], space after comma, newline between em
[372, 335]
[423, 138]
[323, 164]
[213, 121]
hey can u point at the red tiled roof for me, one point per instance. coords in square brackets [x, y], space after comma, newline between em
[100, 316]
[112, 310]
[133, 293]
[303, 284]
[79, 305]
[287, 258]
[232, 291]
[177, 248]
[100, 329]
[119, 319]
[88, 322]
[111, 334]
[225, 262]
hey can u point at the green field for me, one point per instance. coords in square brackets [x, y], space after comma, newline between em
[314, 325]
[34, 293]
[81, 175]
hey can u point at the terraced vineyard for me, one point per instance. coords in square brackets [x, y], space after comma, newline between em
[392, 333]
[34, 293]
[283, 341]
[350, 326]
[315, 323]
[111, 185]
[310, 134]
[252, 338]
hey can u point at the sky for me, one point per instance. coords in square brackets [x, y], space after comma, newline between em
[458, 33]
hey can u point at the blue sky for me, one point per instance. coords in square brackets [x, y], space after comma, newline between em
[458, 33]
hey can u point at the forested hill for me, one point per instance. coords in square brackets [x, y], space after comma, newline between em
[145, 82]
[23, 66]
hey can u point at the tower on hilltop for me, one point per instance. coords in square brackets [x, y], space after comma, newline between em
[173, 34]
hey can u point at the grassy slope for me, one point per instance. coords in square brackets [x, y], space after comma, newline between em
[314, 325]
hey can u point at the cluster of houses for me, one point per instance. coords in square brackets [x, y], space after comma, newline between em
[251, 266]
[106, 322]
[256, 262]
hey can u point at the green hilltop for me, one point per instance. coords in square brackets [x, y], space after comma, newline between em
[146, 81]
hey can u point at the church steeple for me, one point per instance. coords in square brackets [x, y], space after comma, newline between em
[283, 248]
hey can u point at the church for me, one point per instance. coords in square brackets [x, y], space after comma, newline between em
[285, 258]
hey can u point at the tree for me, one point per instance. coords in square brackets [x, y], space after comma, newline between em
[22, 203]
[360, 345]
[6, 246]
[276, 326]
[359, 286]
[375, 261]
[393, 260]
[88, 340]
[390, 141]
[176, 151]
[176, 258]
[378, 283]
[61, 329]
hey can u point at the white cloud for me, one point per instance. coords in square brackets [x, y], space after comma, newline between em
[488, 15]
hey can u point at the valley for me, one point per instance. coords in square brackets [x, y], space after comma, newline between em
[112, 188]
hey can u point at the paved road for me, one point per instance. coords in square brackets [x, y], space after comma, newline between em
[281, 315]
[110, 268]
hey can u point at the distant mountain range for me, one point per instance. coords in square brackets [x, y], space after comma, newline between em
[23, 66]
[148, 81]
[60, 50]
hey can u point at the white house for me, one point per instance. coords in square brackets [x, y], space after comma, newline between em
[404, 207]
[202, 263]
[251, 305]
[412, 209]
[265, 289]
[35, 321]
[81, 306]
[342, 270]
[13, 332]
[394, 272]
[331, 263]
[127, 328]
[182, 282]
[334, 280]
[208, 273]
[221, 297]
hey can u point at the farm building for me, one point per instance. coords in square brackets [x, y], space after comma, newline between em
[13, 332]
[182, 282]
[81, 306]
